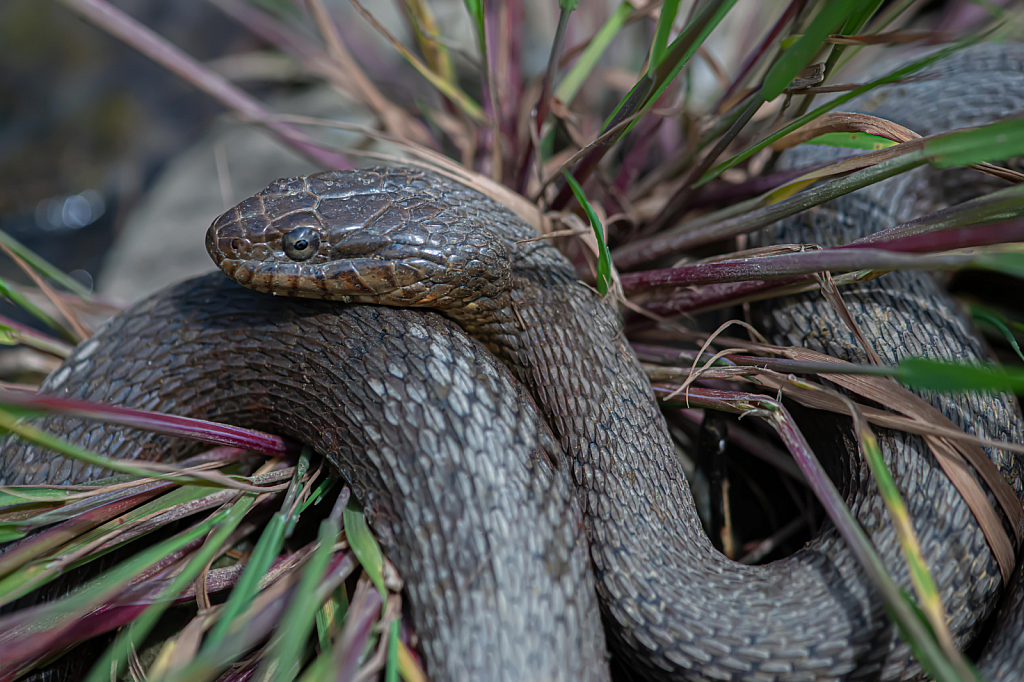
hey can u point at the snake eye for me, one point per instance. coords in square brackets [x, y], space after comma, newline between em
[301, 243]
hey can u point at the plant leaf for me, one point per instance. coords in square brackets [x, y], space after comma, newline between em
[829, 18]
[935, 375]
[365, 547]
[604, 260]
[992, 142]
[852, 141]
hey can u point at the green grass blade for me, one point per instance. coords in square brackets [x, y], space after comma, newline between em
[828, 19]
[43, 267]
[901, 608]
[10, 336]
[114, 658]
[920, 577]
[1010, 261]
[852, 141]
[391, 672]
[838, 101]
[263, 554]
[992, 142]
[604, 260]
[19, 299]
[287, 649]
[584, 66]
[993, 318]
[365, 547]
[659, 47]
[936, 375]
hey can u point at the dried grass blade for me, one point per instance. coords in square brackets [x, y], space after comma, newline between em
[359, 86]
[920, 576]
[45, 268]
[47, 290]
[949, 454]
[845, 122]
[835, 299]
[448, 89]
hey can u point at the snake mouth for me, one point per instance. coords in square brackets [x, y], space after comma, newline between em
[364, 280]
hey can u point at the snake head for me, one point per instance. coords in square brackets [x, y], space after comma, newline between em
[395, 236]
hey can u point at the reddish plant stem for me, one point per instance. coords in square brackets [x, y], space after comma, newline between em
[119, 24]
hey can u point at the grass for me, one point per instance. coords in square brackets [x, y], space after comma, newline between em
[268, 525]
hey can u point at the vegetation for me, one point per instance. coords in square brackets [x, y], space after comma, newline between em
[269, 524]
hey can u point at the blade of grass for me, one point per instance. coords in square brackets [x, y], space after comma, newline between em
[127, 29]
[391, 670]
[365, 547]
[856, 20]
[892, 77]
[981, 314]
[543, 106]
[289, 644]
[686, 237]
[31, 404]
[604, 267]
[13, 334]
[44, 267]
[584, 66]
[659, 46]
[113, 659]
[450, 90]
[992, 142]
[425, 28]
[267, 548]
[852, 141]
[833, 260]
[142, 469]
[920, 577]
[935, 375]
[649, 88]
[795, 58]
[17, 298]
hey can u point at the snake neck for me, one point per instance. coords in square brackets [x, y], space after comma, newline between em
[585, 377]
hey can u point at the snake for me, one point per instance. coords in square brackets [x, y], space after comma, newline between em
[672, 607]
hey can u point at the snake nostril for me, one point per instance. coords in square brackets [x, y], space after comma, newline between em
[238, 245]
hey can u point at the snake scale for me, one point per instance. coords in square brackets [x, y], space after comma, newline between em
[672, 606]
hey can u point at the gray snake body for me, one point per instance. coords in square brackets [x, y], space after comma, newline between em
[674, 608]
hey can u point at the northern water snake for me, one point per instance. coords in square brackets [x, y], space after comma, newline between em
[443, 446]
[674, 607]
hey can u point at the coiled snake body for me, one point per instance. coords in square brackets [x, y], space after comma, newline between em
[674, 608]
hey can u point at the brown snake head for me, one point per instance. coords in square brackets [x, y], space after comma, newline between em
[396, 236]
